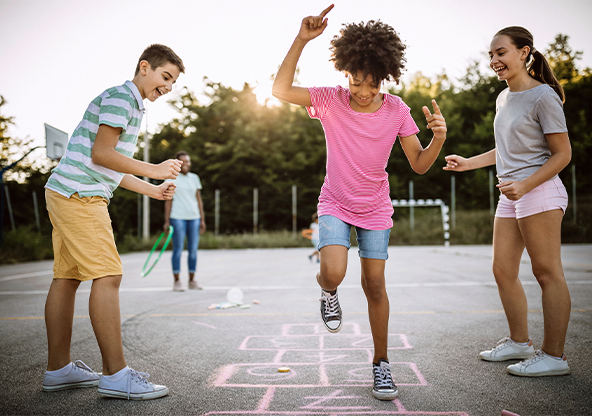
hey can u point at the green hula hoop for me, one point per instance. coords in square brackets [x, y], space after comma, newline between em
[166, 243]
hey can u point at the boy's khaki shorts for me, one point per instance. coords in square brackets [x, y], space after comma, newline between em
[83, 243]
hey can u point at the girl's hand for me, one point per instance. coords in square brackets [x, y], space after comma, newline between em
[435, 121]
[202, 226]
[456, 163]
[512, 190]
[313, 26]
[165, 191]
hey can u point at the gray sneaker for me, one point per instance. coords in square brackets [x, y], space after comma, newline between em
[508, 349]
[132, 385]
[330, 310]
[80, 376]
[384, 386]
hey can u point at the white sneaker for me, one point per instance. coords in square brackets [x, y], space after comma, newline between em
[508, 349]
[540, 364]
[178, 286]
[80, 376]
[130, 384]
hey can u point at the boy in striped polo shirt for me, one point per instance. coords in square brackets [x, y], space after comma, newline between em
[97, 160]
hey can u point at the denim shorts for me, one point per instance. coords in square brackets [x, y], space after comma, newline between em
[372, 244]
[548, 196]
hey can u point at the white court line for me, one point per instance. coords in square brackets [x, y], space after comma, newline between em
[226, 288]
[22, 276]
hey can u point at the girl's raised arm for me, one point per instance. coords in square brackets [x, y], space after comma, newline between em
[283, 88]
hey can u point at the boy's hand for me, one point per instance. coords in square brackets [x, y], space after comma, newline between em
[436, 121]
[165, 191]
[456, 163]
[169, 169]
[313, 26]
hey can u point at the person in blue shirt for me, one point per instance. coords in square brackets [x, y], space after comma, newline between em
[186, 214]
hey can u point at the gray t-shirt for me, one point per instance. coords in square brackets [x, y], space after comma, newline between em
[522, 119]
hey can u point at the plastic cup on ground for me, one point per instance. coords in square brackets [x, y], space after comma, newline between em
[235, 295]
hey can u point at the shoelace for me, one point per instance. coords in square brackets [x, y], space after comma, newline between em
[331, 305]
[80, 365]
[501, 343]
[142, 378]
[538, 355]
[383, 378]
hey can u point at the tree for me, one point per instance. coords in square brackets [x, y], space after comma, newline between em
[563, 59]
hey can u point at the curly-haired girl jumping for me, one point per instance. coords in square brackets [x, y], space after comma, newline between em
[361, 125]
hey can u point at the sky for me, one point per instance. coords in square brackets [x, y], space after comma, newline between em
[56, 56]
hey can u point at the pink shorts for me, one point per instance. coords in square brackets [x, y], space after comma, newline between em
[545, 197]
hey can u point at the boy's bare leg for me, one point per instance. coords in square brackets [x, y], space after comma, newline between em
[378, 304]
[333, 267]
[106, 321]
[59, 313]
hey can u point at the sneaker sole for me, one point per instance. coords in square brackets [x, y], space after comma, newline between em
[115, 394]
[385, 396]
[79, 385]
[508, 357]
[541, 373]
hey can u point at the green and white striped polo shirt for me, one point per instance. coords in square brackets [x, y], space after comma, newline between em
[120, 107]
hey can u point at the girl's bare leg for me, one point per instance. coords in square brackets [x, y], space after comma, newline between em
[374, 287]
[542, 236]
[508, 246]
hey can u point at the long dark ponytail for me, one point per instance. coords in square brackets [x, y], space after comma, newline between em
[538, 67]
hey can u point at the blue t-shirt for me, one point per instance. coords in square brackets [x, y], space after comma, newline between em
[185, 200]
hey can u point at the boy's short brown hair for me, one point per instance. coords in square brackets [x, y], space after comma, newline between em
[158, 55]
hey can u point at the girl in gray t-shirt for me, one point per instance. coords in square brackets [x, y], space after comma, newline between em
[531, 148]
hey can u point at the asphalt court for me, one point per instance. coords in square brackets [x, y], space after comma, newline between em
[444, 310]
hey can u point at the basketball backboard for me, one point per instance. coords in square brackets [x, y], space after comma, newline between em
[56, 142]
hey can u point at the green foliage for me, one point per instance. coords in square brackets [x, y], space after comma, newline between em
[237, 144]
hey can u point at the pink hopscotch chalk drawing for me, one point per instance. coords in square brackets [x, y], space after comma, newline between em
[330, 365]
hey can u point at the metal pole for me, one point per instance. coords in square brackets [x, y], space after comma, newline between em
[36, 208]
[453, 201]
[2, 193]
[139, 203]
[255, 210]
[294, 211]
[146, 199]
[573, 192]
[491, 211]
[216, 212]
[411, 211]
[9, 205]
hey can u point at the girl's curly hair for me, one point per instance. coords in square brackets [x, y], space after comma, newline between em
[373, 48]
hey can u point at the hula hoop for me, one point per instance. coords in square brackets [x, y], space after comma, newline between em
[145, 273]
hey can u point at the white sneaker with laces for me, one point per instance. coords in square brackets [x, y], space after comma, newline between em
[508, 349]
[384, 386]
[539, 365]
[330, 310]
[80, 376]
[131, 385]
[178, 286]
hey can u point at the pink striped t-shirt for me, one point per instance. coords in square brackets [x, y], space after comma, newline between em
[356, 187]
